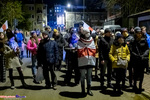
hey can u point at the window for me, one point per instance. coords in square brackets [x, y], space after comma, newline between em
[31, 8]
[32, 16]
[34, 23]
[55, 10]
[50, 11]
[57, 7]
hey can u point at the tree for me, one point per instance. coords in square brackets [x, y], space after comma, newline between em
[25, 24]
[11, 10]
[128, 7]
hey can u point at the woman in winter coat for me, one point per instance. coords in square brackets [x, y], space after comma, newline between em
[119, 50]
[3, 40]
[139, 53]
[32, 47]
[86, 59]
[12, 60]
[61, 43]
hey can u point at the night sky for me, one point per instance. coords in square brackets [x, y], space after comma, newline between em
[64, 2]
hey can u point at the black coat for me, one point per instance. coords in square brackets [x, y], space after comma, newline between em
[61, 43]
[139, 53]
[2, 68]
[104, 48]
[47, 52]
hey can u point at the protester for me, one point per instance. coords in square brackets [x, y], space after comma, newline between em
[96, 36]
[61, 43]
[72, 58]
[27, 38]
[119, 52]
[104, 48]
[147, 36]
[49, 30]
[3, 40]
[47, 56]
[19, 38]
[139, 51]
[32, 47]
[12, 60]
[128, 40]
[86, 59]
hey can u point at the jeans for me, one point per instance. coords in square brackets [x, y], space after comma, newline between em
[107, 65]
[88, 74]
[46, 68]
[34, 69]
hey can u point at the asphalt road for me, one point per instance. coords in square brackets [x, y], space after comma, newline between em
[38, 92]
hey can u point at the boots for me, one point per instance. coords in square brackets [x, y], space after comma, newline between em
[83, 89]
[11, 78]
[89, 92]
[21, 77]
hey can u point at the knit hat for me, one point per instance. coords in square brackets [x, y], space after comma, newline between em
[118, 35]
[108, 30]
[45, 32]
[137, 29]
[55, 30]
[32, 32]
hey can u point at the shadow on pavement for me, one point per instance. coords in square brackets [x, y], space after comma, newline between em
[72, 94]
[31, 87]
[97, 88]
[111, 93]
[4, 87]
[62, 83]
[25, 77]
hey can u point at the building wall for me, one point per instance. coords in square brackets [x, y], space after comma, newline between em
[38, 14]
[91, 18]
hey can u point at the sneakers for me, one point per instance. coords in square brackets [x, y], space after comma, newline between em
[54, 88]
[12, 87]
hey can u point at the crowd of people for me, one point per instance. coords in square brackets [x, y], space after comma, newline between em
[118, 52]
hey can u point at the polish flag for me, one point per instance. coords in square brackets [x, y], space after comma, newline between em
[87, 26]
[4, 26]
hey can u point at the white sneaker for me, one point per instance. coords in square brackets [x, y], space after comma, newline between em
[12, 87]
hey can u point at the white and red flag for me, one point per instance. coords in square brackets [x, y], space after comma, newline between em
[87, 26]
[4, 26]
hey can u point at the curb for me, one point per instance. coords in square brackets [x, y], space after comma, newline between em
[146, 94]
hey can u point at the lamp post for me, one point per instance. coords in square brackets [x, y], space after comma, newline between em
[83, 8]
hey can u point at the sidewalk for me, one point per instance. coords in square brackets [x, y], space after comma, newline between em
[146, 86]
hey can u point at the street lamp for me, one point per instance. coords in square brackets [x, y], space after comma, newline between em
[68, 5]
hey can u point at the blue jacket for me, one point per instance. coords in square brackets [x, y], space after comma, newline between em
[19, 38]
[47, 52]
[148, 39]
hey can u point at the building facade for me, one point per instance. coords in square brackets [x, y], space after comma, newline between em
[91, 18]
[38, 13]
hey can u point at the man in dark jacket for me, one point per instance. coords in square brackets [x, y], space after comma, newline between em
[61, 43]
[104, 48]
[128, 40]
[139, 53]
[49, 30]
[47, 56]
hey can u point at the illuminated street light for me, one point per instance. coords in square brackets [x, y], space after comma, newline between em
[69, 5]
[64, 11]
